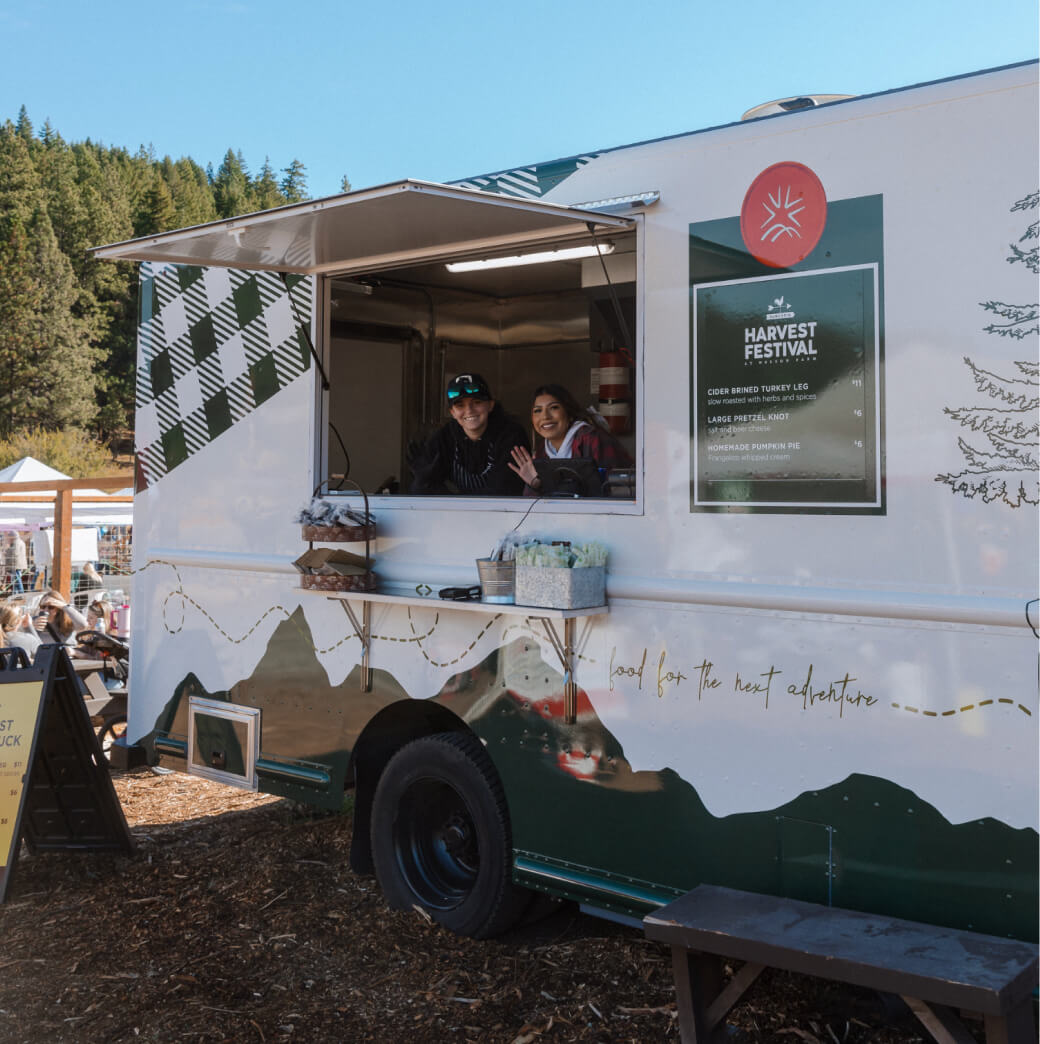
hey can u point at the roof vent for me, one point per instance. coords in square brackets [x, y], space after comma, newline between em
[795, 104]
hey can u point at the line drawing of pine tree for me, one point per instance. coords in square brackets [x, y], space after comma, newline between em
[1007, 469]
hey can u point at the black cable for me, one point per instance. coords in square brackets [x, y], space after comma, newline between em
[526, 513]
[303, 328]
[346, 455]
[324, 379]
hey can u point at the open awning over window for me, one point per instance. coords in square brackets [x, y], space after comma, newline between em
[407, 222]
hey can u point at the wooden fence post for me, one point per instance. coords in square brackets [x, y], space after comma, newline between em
[61, 564]
[64, 492]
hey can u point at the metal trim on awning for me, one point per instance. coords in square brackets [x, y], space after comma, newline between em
[404, 223]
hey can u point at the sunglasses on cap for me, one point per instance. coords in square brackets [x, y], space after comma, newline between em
[466, 387]
[467, 390]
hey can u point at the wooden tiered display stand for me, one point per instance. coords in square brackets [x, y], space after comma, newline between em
[342, 535]
[363, 583]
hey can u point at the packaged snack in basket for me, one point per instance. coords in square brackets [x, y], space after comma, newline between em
[332, 561]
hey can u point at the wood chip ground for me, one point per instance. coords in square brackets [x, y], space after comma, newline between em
[239, 920]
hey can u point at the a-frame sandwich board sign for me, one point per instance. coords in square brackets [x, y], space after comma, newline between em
[55, 788]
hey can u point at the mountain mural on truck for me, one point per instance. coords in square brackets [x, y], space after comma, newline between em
[862, 843]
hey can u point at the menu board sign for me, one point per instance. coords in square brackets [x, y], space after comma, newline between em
[785, 403]
[787, 350]
[20, 704]
[55, 790]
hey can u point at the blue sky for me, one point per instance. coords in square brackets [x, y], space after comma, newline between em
[379, 92]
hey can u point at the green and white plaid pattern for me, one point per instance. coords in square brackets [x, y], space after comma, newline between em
[529, 182]
[213, 344]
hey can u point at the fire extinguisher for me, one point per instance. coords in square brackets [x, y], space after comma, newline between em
[613, 385]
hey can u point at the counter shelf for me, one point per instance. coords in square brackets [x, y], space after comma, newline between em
[401, 594]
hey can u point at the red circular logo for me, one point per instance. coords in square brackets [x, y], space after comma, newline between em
[783, 215]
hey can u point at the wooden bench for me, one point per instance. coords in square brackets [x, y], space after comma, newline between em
[935, 970]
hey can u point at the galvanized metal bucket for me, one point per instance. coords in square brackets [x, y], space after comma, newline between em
[496, 581]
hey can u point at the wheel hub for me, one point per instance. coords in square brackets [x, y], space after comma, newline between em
[435, 844]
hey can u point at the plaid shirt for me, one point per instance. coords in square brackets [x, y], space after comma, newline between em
[595, 444]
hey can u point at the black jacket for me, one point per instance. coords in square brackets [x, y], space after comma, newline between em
[451, 462]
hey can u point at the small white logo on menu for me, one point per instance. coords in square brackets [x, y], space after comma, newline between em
[779, 309]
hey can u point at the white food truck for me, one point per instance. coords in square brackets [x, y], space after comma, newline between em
[815, 671]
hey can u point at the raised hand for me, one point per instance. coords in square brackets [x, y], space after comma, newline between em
[523, 464]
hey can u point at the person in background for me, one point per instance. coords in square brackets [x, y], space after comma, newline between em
[97, 614]
[16, 560]
[18, 631]
[59, 618]
[471, 453]
[90, 578]
[567, 431]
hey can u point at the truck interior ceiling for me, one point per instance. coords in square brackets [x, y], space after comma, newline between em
[397, 336]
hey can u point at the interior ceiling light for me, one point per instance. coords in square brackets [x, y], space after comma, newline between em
[541, 258]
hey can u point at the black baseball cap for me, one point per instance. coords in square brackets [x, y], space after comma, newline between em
[468, 385]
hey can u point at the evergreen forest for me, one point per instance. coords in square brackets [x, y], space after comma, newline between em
[68, 321]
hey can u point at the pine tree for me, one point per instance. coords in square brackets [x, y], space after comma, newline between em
[56, 167]
[266, 189]
[294, 182]
[112, 287]
[192, 195]
[46, 361]
[68, 323]
[24, 125]
[1006, 470]
[21, 300]
[157, 213]
[231, 190]
[1021, 319]
[87, 205]
[130, 175]
[20, 189]
[46, 357]
[65, 384]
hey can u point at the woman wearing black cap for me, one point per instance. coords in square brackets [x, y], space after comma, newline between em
[471, 453]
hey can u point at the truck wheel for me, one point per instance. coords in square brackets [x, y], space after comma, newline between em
[113, 729]
[441, 837]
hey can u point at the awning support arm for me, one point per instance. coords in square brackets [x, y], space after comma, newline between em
[625, 332]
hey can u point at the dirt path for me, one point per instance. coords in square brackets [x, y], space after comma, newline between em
[238, 920]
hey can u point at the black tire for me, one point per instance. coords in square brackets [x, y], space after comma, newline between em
[113, 729]
[441, 837]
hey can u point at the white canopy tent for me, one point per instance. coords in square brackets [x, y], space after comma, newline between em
[94, 513]
[91, 507]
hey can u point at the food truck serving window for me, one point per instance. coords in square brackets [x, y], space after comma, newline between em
[398, 318]
[418, 358]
